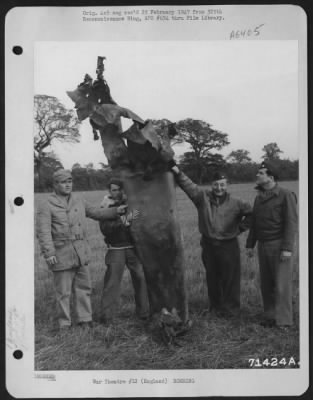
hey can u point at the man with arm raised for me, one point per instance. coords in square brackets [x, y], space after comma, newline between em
[221, 217]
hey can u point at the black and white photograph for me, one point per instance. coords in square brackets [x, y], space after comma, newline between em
[165, 234]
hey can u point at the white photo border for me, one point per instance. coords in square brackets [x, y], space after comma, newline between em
[24, 27]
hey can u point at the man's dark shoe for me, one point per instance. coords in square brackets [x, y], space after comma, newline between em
[86, 324]
[268, 323]
[229, 313]
[283, 328]
[144, 317]
[104, 321]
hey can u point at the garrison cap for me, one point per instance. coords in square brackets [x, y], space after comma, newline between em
[218, 175]
[270, 169]
[61, 174]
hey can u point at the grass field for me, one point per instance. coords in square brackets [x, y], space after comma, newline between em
[211, 343]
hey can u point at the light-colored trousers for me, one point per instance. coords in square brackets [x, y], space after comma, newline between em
[276, 282]
[76, 282]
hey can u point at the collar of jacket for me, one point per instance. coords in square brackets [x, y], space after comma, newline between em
[58, 202]
[215, 200]
[268, 194]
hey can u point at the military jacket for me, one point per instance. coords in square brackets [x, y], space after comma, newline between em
[274, 217]
[61, 229]
[219, 221]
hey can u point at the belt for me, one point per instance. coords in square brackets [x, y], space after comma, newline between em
[217, 242]
[64, 238]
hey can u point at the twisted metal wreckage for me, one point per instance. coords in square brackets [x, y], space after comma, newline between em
[143, 166]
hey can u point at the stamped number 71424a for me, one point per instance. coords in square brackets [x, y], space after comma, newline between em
[273, 362]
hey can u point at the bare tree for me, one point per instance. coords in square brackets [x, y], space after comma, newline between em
[53, 122]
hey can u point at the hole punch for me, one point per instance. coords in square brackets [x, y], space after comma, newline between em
[18, 201]
[18, 354]
[17, 50]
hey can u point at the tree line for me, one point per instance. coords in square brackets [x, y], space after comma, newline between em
[53, 122]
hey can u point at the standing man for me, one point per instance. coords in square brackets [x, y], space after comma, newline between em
[62, 237]
[274, 225]
[121, 252]
[222, 218]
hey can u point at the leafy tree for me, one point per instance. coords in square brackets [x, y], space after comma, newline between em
[286, 169]
[241, 172]
[202, 140]
[89, 166]
[53, 122]
[89, 178]
[239, 156]
[49, 164]
[190, 165]
[272, 151]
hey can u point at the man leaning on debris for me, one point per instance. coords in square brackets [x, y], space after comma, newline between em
[274, 225]
[61, 228]
[121, 252]
[222, 217]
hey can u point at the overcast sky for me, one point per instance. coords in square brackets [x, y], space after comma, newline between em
[247, 89]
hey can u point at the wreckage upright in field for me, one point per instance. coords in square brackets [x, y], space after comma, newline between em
[142, 164]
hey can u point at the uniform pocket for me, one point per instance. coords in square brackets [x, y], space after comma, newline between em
[64, 253]
[276, 213]
[59, 244]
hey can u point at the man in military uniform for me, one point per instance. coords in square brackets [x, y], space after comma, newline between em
[62, 235]
[121, 252]
[222, 217]
[274, 225]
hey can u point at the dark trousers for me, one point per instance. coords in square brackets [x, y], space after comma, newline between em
[221, 259]
[116, 259]
[276, 282]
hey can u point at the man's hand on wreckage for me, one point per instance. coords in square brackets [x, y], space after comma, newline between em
[132, 215]
[121, 210]
[51, 260]
[172, 166]
[175, 169]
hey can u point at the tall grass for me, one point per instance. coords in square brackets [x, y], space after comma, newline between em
[128, 344]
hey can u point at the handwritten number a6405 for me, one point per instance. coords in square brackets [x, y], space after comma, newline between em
[246, 33]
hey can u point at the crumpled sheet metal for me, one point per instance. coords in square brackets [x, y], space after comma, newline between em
[110, 114]
[141, 136]
[106, 114]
